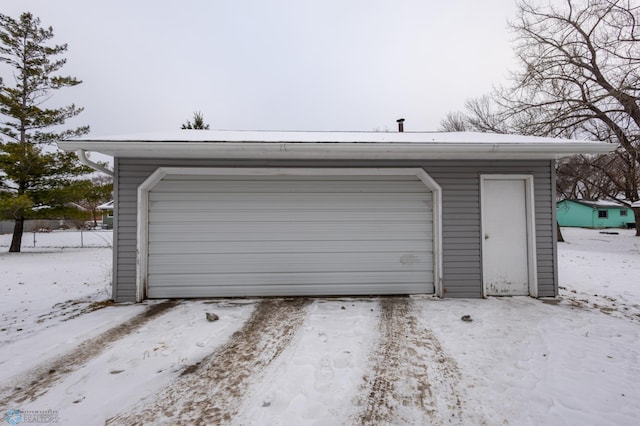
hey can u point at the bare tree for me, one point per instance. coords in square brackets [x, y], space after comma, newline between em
[579, 77]
[580, 69]
[611, 176]
[455, 122]
[484, 114]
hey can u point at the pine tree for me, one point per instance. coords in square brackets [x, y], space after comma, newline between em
[36, 179]
[198, 123]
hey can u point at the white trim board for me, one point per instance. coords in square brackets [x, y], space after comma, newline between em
[144, 189]
[334, 145]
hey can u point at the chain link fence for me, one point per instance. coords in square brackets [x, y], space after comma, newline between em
[63, 239]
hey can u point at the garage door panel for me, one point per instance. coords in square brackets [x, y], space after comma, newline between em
[340, 289]
[309, 235]
[291, 279]
[290, 186]
[206, 216]
[252, 246]
[286, 236]
[296, 201]
[290, 284]
[297, 230]
[268, 218]
[288, 262]
[287, 177]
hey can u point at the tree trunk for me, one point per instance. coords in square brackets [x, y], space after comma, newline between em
[16, 241]
[636, 214]
[559, 233]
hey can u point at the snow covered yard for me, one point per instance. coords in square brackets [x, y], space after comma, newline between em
[323, 361]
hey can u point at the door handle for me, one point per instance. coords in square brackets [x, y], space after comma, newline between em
[486, 236]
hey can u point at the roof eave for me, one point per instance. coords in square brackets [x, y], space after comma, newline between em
[341, 150]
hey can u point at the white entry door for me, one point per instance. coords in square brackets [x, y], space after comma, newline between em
[508, 232]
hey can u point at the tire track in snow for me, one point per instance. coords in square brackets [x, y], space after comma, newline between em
[605, 304]
[37, 381]
[412, 377]
[210, 391]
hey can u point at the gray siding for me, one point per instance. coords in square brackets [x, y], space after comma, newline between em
[462, 275]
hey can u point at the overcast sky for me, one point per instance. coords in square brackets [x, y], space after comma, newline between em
[147, 65]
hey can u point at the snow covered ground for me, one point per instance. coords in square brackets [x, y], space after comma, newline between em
[67, 354]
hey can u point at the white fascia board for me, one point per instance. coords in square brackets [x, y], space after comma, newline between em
[337, 150]
[325, 137]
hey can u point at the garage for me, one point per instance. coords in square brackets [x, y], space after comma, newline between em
[217, 213]
[266, 232]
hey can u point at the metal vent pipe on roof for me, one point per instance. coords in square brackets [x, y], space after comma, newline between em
[400, 122]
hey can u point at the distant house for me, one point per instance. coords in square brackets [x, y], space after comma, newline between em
[107, 214]
[47, 218]
[594, 214]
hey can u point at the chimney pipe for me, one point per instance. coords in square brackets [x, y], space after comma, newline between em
[400, 122]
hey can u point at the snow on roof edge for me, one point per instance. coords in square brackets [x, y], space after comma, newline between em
[289, 136]
[599, 203]
[334, 145]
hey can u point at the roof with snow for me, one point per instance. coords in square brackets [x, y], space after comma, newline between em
[106, 206]
[600, 203]
[333, 145]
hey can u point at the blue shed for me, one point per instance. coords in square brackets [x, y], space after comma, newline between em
[594, 214]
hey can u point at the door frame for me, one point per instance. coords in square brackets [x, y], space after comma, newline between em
[142, 260]
[530, 227]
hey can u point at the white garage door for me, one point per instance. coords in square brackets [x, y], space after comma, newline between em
[216, 236]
